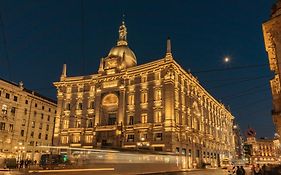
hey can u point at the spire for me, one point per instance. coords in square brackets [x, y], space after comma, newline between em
[122, 33]
[169, 48]
[63, 74]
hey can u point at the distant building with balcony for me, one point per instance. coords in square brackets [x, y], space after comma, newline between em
[26, 121]
[272, 39]
[156, 106]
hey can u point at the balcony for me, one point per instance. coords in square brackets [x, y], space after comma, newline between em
[106, 128]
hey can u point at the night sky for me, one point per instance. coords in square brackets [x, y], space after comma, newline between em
[38, 36]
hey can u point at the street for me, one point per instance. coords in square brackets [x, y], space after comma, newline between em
[111, 171]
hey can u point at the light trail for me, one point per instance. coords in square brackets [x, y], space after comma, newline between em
[70, 170]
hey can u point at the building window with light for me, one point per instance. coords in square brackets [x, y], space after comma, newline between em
[67, 106]
[158, 136]
[79, 106]
[64, 139]
[89, 123]
[88, 138]
[144, 97]
[76, 138]
[158, 117]
[157, 95]
[131, 99]
[130, 138]
[65, 124]
[33, 124]
[144, 118]
[92, 104]
[77, 123]
[131, 120]
[68, 90]
[4, 109]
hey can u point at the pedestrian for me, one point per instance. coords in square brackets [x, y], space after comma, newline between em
[243, 170]
[257, 170]
[239, 171]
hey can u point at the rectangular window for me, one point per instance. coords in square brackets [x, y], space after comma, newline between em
[67, 106]
[33, 124]
[2, 126]
[158, 136]
[80, 106]
[39, 136]
[4, 109]
[88, 138]
[77, 123]
[15, 98]
[130, 138]
[92, 105]
[65, 124]
[157, 76]
[76, 138]
[64, 139]
[22, 133]
[35, 105]
[111, 119]
[144, 118]
[143, 97]
[25, 111]
[183, 151]
[11, 128]
[158, 118]
[49, 109]
[157, 95]
[131, 120]
[46, 137]
[32, 134]
[131, 99]
[42, 116]
[47, 128]
[89, 123]
[26, 101]
[48, 118]
[7, 95]
[43, 107]
[40, 126]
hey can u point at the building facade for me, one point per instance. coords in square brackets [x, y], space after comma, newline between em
[264, 151]
[156, 106]
[272, 39]
[26, 121]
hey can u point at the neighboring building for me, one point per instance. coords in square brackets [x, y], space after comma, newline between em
[156, 106]
[272, 39]
[239, 142]
[26, 121]
[263, 150]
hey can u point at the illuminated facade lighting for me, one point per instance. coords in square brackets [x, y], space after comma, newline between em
[156, 106]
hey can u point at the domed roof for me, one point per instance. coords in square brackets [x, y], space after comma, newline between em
[122, 49]
[124, 52]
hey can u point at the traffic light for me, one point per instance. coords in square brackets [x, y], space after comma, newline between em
[247, 149]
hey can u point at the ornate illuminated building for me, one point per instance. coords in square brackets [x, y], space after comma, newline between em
[156, 106]
[272, 39]
[264, 151]
[26, 121]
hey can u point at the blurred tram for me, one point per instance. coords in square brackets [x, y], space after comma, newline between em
[79, 157]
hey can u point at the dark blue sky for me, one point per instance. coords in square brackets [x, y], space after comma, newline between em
[42, 35]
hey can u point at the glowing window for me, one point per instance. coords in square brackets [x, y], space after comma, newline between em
[143, 97]
[144, 118]
[158, 117]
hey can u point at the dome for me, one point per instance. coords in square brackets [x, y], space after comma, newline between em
[124, 52]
